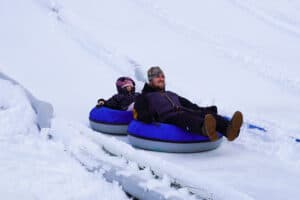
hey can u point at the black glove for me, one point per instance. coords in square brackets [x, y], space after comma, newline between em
[212, 109]
[100, 103]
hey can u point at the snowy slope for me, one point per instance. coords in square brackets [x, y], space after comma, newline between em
[148, 33]
[236, 54]
[34, 168]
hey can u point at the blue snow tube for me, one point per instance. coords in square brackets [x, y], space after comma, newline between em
[110, 121]
[168, 138]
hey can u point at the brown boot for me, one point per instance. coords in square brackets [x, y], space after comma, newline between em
[209, 127]
[235, 124]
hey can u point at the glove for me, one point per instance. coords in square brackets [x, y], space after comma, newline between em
[213, 109]
[100, 103]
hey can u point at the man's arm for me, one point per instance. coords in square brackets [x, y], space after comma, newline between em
[187, 104]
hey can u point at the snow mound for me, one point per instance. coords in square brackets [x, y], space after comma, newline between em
[34, 167]
[16, 114]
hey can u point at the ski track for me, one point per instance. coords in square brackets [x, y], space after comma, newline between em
[252, 140]
[205, 188]
[277, 20]
[120, 63]
[87, 148]
[251, 62]
[90, 151]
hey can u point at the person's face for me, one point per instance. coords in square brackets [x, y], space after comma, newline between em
[158, 81]
[129, 89]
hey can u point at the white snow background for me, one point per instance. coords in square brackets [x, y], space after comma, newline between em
[239, 55]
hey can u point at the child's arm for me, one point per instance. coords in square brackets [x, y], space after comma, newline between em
[113, 102]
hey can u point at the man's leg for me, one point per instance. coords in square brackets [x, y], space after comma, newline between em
[186, 121]
[222, 124]
[234, 126]
[230, 129]
[204, 125]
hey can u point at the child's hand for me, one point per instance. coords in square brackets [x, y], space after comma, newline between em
[100, 103]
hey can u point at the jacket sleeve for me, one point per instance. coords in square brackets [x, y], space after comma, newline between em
[113, 103]
[187, 104]
[141, 110]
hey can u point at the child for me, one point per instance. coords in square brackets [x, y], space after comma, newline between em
[125, 98]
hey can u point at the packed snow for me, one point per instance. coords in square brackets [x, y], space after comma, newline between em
[239, 55]
[34, 168]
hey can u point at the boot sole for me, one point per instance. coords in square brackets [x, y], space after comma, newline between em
[235, 125]
[210, 127]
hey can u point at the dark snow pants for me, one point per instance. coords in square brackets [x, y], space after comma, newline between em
[193, 121]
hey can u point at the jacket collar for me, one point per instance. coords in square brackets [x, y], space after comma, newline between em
[148, 88]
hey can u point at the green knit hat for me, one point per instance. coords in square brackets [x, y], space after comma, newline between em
[153, 72]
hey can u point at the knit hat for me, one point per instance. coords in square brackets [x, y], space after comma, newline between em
[124, 82]
[154, 72]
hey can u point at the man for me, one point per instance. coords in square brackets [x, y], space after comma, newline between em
[155, 104]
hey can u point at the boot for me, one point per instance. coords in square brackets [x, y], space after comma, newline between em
[235, 124]
[209, 127]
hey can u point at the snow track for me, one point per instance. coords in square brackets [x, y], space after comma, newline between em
[204, 181]
[86, 41]
[93, 151]
[248, 58]
[237, 55]
[205, 184]
[276, 18]
[248, 55]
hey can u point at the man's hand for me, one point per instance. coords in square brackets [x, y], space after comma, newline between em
[213, 109]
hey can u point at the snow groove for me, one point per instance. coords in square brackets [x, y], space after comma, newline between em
[208, 189]
[277, 20]
[224, 44]
[91, 154]
[109, 56]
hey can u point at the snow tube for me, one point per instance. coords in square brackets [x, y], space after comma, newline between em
[110, 121]
[168, 138]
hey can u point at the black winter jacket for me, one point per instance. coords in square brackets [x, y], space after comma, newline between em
[155, 105]
[120, 101]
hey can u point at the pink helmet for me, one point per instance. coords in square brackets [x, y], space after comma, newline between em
[124, 82]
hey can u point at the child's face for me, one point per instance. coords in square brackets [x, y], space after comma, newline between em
[129, 88]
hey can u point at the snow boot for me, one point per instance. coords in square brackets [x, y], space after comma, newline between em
[209, 127]
[235, 124]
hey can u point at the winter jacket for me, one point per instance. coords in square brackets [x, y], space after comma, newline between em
[156, 105]
[120, 101]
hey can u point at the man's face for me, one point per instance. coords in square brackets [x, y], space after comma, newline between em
[158, 81]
